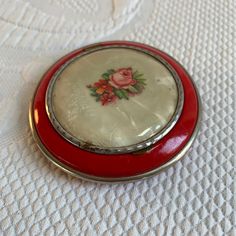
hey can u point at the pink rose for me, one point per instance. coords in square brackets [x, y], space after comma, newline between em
[122, 78]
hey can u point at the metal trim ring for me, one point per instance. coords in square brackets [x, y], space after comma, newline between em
[99, 179]
[114, 150]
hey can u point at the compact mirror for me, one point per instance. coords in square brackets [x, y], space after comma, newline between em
[115, 111]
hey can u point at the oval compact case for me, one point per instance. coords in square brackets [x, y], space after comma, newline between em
[115, 111]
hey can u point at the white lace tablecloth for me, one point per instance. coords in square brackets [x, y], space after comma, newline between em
[194, 197]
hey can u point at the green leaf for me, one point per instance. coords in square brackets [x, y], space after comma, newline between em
[138, 76]
[93, 89]
[138, 87]
[106, 76]
[111, 71]
[121, 93]
[94, 94]
[125, 94]
[135, 73]
[118, 93]
[142, 82]
[98, 98]
[141, 79]
[132, 89]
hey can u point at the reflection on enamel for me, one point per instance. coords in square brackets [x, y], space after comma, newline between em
[125, 121]
[172, 144]
[36, 116]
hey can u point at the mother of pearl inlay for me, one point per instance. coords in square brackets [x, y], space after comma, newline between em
[124, 122]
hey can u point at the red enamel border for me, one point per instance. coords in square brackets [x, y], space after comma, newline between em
[122, 165]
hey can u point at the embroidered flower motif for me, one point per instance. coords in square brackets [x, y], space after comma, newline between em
[117, 84]
[123, 78]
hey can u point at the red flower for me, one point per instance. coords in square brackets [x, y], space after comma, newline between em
[102, 86]
[100, 83]
[108, 98]
[122, 78]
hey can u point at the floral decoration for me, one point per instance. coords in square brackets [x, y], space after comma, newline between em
[117, 84]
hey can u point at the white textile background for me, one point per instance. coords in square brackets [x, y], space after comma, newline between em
[194, 197]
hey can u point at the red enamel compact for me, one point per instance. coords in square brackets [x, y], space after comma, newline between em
[115, 111]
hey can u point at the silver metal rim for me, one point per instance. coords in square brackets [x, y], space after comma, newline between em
[114, 150]
[128, 179]
[108, 180]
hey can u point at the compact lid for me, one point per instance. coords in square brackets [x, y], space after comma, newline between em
[115, 111]
[115, 99]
